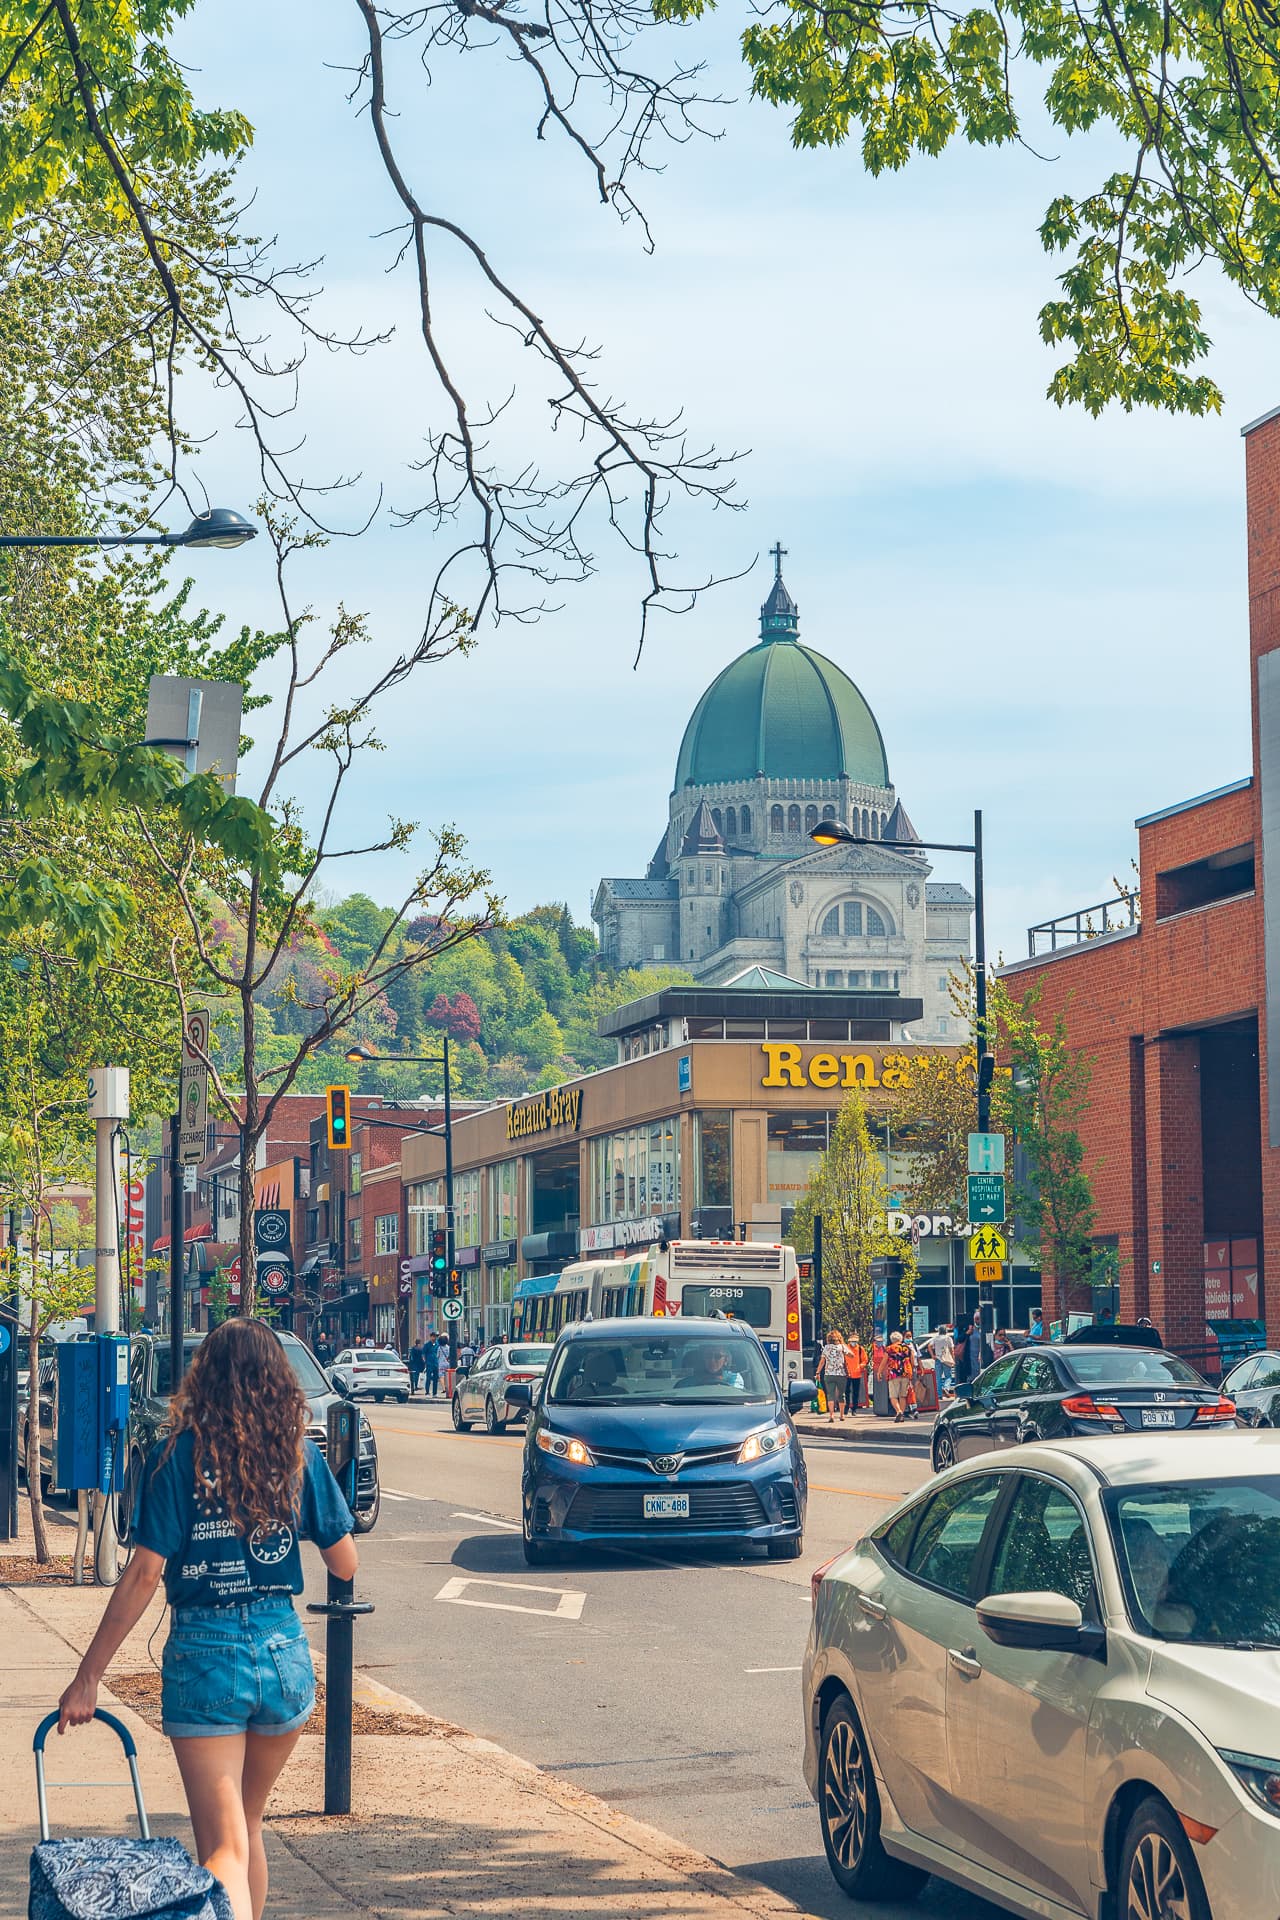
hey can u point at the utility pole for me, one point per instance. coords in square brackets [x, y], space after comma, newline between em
[108, 1108]
[177, 1224]
[985, 1058]
[10, 1319]
[448, 1200]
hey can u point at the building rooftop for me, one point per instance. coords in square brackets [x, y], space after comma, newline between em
[947, 893]
[737, 1003]
[641, 889]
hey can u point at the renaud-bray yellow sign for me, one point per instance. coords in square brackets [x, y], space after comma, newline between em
[786, 1066]
[557, 1107]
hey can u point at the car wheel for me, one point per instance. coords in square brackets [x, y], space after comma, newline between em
[849, 1809]
[536, 1552]
[379, 1397]
[944, 1452]
[786, 1549]
[461, 1425]
[492, 1424]
[1159, 1879]
[368, 1520]
[403, 1398]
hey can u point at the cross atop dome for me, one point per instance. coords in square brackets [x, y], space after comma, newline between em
[779, 616]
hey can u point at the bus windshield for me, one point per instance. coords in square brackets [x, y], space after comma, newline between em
[641, 1369]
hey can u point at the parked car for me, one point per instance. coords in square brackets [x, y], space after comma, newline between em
[1254, 1385]
[149, 1393]
[1054, 1392]
[659, 1430]
[377, 1371]
[482, 1394]
[1051, 1678]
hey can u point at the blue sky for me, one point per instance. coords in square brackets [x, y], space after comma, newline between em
[1046, 613]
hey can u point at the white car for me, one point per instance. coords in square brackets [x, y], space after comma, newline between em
[1054, 1679]
[378, 1371]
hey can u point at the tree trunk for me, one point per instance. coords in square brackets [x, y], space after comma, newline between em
[248, 1149]
[33, 1440]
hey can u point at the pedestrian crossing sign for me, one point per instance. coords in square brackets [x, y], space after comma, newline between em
[987, 1244]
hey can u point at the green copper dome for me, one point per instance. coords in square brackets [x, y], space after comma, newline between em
[783, 711]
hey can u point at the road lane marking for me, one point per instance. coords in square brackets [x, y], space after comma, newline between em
[490, 1520]
[861, 1493]
[568, 1606]
[773, 1669]
[397, 1493]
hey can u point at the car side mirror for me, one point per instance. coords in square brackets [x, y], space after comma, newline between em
[1040, 1623]
[518, 1393]
[799, 1394]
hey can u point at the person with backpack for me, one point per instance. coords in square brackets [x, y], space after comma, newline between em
[223, 1504]
[417, 1361]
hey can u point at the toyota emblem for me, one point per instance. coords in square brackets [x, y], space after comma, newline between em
[666, 1462]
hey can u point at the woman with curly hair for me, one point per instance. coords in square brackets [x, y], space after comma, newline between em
[222, 1506]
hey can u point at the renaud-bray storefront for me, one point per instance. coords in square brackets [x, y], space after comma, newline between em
[712, 1122]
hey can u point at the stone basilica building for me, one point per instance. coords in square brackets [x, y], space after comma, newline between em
[780, 740]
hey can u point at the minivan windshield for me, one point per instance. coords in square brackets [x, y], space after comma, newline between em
[1201, 1561]
[643, 1369]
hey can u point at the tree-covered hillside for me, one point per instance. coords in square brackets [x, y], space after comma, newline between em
[520, 1005]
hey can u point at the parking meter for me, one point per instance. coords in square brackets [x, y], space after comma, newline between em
[343, 1447]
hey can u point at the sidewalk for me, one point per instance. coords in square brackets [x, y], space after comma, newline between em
[864, 1427]
[443, 1824]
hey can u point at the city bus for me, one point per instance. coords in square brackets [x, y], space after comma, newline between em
[756, 1281]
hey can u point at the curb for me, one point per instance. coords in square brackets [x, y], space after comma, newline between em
[710, 1876]
[913, 1436]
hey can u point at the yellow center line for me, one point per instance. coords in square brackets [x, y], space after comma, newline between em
[861, 1493]
[429, 1433]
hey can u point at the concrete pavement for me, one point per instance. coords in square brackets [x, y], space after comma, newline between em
[442, 1823]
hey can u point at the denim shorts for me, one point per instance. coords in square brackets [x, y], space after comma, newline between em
[236, 1669]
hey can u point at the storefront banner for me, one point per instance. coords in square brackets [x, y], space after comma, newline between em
[498, 1253]
[597, 1239]
[642, 1233]
[466, 1256]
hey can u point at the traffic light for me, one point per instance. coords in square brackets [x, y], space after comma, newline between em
[337, 1104]
[439, 1263]
[455, 1284]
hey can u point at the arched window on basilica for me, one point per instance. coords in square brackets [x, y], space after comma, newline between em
[854, 919]
[731, 822]
[745, 823]
[715, 815]
[777, 820]
[828, 813]
[810, 819]
[793, 819]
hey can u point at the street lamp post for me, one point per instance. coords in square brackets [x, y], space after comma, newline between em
[361, 1055]
[219, 527]
[831, 833]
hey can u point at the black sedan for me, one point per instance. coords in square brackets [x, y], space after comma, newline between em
[1254, 1385]
[1057, 1392]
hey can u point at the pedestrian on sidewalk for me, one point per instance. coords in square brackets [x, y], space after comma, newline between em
[944, 1355]
[832, 1373]
[222, 1505]
[417, 1361]
[855, 1370]
[431, 1364]
[899, 1369]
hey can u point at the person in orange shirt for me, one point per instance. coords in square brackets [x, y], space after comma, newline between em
[856, 1361]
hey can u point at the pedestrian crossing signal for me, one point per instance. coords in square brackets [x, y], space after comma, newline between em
[337, 1103]
[455, 1284]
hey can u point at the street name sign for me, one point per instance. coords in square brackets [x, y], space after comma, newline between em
[987, 1244]
[986, 1199]
[986, 1153]
[193, 1108]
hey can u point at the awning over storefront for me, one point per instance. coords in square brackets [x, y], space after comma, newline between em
[549, 1246]
[352, 1303]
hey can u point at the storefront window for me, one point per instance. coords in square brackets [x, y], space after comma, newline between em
[503, 1211]
[466, 1207]
[425, 1197]
[636, 1173]
[715, 1161]
[797, 1142]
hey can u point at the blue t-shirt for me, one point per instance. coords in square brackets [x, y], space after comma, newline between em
[209, 1564]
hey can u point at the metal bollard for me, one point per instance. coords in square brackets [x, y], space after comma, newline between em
[340, 1610]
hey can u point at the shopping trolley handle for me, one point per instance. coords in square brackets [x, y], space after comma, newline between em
[118, 1727]
[131, 1755]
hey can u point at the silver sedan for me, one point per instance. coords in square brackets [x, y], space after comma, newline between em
[481, 1395]
[1053, 1679]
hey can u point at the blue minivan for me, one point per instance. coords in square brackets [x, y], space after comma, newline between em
[652, 1430]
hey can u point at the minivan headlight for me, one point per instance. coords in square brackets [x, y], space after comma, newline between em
[769, 1440]
[1260, 1778]
[565, 1446]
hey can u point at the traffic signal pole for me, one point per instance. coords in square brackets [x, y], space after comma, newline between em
[986, 1299]
[448, 1201]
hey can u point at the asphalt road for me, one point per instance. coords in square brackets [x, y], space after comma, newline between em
[670, 1685]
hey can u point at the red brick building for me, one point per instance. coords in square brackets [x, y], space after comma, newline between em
[1183, 1133]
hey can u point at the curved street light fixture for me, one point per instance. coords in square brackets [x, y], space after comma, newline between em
[219, 527]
